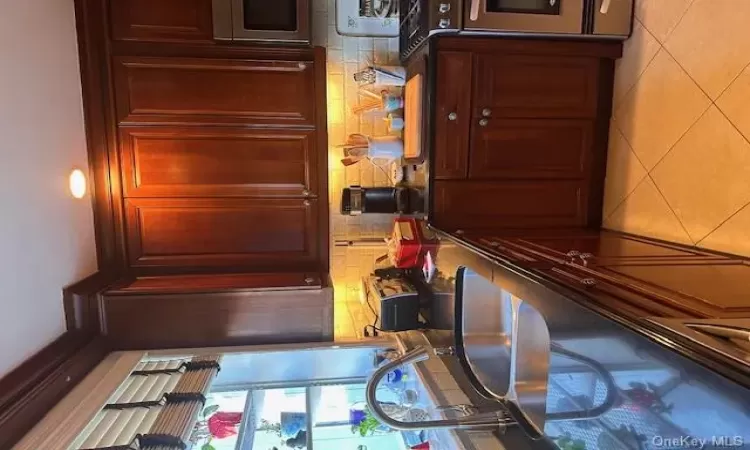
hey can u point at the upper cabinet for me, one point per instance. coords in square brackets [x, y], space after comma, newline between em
[162, 20]
[196, 90]
[512, 85]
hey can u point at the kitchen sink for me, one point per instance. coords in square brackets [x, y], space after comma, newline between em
[504, 346]
[484, 336]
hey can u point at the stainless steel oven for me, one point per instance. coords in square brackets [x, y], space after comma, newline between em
[553, 16]
[278, 21]
[420, 19]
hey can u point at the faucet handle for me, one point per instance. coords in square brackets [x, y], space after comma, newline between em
[465, 410]
[444, 351]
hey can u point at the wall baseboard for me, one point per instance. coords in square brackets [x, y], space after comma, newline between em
[37, 385]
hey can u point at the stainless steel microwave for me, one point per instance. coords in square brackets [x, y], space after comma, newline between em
[275, 21]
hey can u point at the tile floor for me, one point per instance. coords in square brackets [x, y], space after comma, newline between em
[679, 155]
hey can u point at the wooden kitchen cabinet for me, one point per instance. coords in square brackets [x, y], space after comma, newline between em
[530, 148]
[509, 203]
[212, 161]
[710, 289]
[600, 248]
[199, 317]
[162, 20]
[452, 116]
[222, 159]
[214, 91]
[517, 85]
[254, 234]
[527, 148]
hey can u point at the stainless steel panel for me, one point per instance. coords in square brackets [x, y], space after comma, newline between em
[302, 35]
[531, 361]
[570, 19]
[731, 342]
[487, 332]
[222, 11]
[613, 17]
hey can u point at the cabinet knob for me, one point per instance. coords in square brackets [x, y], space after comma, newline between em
[302, 66]
[452, 116]
[309, 281]
[306, 193]
[588, 282]
[483, 122]
[585, 258]
[486, 112]
[307, 203]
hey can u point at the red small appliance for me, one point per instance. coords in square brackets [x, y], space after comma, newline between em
[410, 242]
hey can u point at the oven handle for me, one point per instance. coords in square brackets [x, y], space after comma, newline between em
[474, 11]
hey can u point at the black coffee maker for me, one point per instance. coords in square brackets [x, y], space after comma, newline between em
[357, 200]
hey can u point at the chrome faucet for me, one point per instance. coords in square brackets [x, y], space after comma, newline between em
[472, 420]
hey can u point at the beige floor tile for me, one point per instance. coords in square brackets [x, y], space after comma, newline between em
[638, 52]
[646, 213]
[712, 42]
[735, 102]
[661, 16]
[624, 171]
[706, 176]
[733, 236]
[660, 108]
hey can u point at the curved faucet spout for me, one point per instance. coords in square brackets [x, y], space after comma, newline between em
[492, 420]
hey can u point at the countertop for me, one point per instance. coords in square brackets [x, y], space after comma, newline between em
[664, 398]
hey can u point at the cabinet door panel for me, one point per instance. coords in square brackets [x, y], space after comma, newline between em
[192, 90]
[267, 233]
[452, 116]
[202, 162]
[162, 20]
[508, 204]
[707, 289]
[611, 296]
[535, 86]
[511, 148]
[605, 247]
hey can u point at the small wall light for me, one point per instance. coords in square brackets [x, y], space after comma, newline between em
[77, 183]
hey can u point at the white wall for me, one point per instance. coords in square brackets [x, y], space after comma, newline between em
[46, 237]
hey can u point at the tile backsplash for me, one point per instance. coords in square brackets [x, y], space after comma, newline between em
[346, 56]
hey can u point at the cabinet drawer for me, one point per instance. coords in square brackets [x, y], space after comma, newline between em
[535, 86]
[221, 282]
[191, 319]
[271, 234]
[211, 91]
[162, 20]
[511, 148]
[206, 162]
[509, 204]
